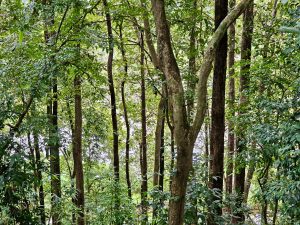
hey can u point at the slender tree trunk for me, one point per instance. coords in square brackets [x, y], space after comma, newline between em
[72, 173]
[78, 151]
[248, 180]
[112, 93]
[127, 140]
[52, 110]
[158, 139]
[113, 108]
[127, 143]
[54, 158]
[144, 185]
[231, 99]
[39, 176]
[162, 157]
[244, 84]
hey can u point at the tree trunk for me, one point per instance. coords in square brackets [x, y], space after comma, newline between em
[127, 142]
[192, 78]
[39, 176]
[248, 180]
[244, 84]
[54, 158]
[72, 173]
[78, 151]
[113, 108]
[144, 184]
[52, 110]
[231, 99]
[218, 113]
[162, 157]
[158, 139]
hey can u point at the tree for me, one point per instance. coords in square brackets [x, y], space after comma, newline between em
[185, 135]
[218, 111]
[244, 86]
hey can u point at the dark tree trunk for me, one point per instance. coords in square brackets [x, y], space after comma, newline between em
[144, 185]
[78, 167]
[113, 108]
[162, 157]
[72, 173]
[158, 139]
[244, 84]
[39, 176]
[54, 157]
[231, 99]
[52, 110]
[127, 146]
[112, 93]
[218, 113]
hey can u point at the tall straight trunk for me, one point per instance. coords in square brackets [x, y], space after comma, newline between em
[127, 142]
[158, 138]
[78, 167]
[162, 157]
[77, 141]
[54, 157]
[52, 110]
[144, 185]
[218, 113]
[159, 162]
[244, 85]
[40, 178]
[72, 173]
[231, 99]
[184, 134]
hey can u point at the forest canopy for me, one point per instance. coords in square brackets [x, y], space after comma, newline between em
[149, 112]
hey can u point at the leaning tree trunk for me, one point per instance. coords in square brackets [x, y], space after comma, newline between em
[244, 86]
[218, 114]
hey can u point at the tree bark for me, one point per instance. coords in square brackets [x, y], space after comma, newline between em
[218, 113]
[244, 86]
[231, 99]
